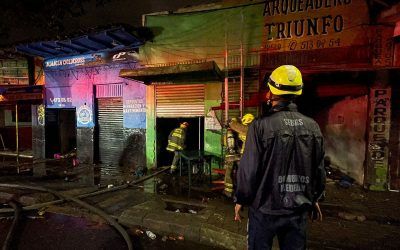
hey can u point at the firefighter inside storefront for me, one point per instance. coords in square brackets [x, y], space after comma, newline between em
[240, 128]
[176, 143]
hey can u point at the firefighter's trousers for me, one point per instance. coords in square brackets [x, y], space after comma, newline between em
[290, 229]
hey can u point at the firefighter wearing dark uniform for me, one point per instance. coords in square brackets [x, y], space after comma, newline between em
[176, 143]
[281, 174]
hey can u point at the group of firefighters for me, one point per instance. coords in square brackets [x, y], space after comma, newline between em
[280, 172]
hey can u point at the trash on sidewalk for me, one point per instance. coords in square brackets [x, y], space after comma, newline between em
[192, 211]
[136, 231]
[151, 234]
[177, 211]
[34, 217]
[110, 185]
[180, 237]
[346, 181]
[41, 211]
[352, 217]
[205, 200]
[163, 186]
[334, 172]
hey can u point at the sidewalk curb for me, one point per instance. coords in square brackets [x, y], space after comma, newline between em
[194, 227]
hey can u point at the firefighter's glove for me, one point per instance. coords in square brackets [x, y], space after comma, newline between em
[316, 214]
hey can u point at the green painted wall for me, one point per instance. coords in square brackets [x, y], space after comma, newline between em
[150, 128]
[212, 139]
[203, 35]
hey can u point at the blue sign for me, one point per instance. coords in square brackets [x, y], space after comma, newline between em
[134, 105]
[88, 60]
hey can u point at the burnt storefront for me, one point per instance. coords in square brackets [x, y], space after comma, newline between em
[88, 108]
[101, 115]
[349, 64]
[176, 93]
[346, 63]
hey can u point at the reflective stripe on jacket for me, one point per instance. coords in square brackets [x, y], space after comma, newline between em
[176, 139]
[281, 169]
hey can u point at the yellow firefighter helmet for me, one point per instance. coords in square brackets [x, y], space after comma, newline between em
[286, 80]
[247, 119]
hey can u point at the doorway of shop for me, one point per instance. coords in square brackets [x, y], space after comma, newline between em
[60, 132]
[194, 136]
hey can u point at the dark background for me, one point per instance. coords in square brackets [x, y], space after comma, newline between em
[35, 20]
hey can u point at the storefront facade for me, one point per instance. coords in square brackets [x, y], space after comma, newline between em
[90, 108]
[348, 62]
[19, 95]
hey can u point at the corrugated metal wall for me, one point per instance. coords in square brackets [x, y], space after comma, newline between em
[180, 100]
[111, 133]
[109, 90]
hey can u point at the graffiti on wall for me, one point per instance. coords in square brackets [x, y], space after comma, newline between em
[378, 141]
[40, 114]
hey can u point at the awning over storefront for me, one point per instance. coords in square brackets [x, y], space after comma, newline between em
[107, 40]
[179, 73]
[10, 95]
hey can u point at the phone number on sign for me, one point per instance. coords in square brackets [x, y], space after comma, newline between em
[314, 44]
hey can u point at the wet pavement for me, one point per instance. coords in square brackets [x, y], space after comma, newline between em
[55, 231]
[353, 218]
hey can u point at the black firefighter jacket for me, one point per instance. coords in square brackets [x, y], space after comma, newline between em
[281, 169]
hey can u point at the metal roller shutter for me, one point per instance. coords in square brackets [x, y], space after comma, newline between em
[111, 133]
[180, 100]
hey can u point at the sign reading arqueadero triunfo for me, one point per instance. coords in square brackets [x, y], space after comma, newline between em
[314, 24]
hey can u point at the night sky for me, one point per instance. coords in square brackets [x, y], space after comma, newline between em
[28, 20]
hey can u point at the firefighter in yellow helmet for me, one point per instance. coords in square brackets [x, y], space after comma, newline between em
[176, 143]
[281, 174]
[241, 129]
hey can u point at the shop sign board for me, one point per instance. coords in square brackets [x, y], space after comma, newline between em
[88, 60]
[59, 97]
[211, 121]
[293, 25]
[378, 139]
[134, 105]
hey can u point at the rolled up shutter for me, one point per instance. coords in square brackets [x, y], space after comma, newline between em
[180, 100]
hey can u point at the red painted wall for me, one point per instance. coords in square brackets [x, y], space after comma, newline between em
[343, 124]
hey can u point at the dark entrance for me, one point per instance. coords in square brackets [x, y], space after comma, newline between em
[194, 136]
[60, 130]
